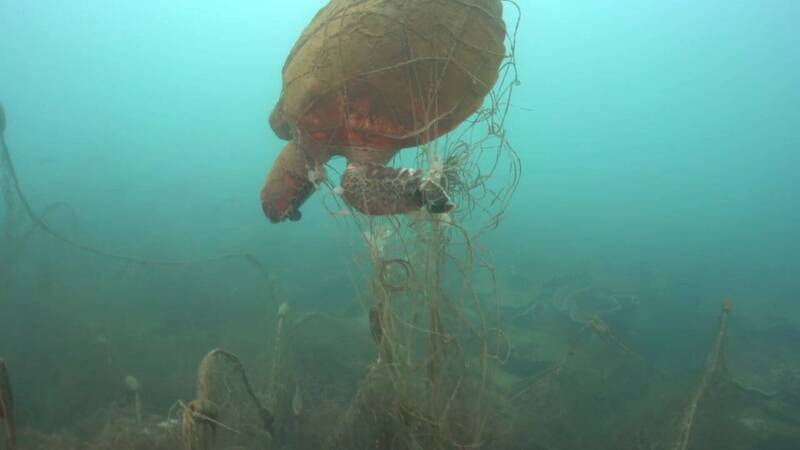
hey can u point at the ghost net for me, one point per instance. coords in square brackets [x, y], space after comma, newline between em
[430, 297]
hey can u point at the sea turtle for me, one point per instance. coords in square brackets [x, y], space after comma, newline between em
[367, 78]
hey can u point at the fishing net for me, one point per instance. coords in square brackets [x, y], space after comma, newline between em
[437, 341]
[365, 79]
[224, 396]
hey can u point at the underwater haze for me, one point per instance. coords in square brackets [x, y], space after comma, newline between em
[659, 146]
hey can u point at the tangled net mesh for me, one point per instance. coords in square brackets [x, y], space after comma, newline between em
[438, 340]
[224, 400]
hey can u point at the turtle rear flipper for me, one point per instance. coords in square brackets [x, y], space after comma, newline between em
[377, 190]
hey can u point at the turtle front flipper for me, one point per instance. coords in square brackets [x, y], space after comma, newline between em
[378, 190]
[290, 182]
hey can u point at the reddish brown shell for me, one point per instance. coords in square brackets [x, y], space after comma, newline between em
[383, 74]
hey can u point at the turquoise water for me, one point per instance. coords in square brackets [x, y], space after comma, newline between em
[658, 144]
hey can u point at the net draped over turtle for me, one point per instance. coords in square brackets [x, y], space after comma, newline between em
[367, 78]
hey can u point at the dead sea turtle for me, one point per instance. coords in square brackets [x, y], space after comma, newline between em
[367, 78]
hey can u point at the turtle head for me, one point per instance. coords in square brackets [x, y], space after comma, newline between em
[289, 184]
[278, 122]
